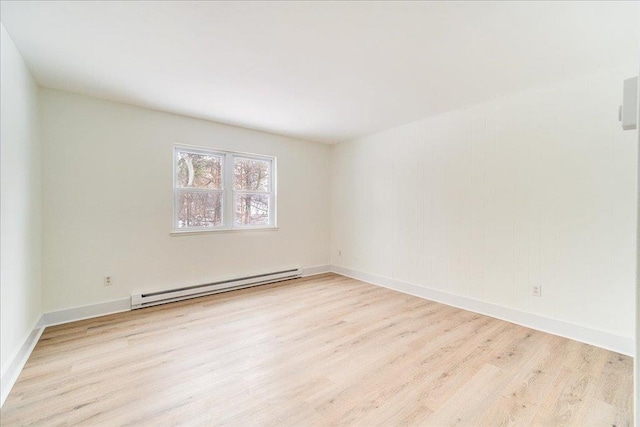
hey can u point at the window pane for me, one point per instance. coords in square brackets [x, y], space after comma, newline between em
[252, 209]
[252, 175]
[198, 170]
[199, 209]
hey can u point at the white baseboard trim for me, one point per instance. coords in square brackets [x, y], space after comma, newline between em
[572, 331]
[318, 269]
[85, 312]
[9, 377]
[12, 371]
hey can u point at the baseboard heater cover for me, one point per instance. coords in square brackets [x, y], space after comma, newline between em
[172, 295]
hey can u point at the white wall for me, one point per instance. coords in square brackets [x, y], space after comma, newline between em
[20, 201]
[636, 366]
[538, 187]
[108, 203]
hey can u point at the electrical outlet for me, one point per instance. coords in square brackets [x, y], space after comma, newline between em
[108, 280]
[536, 290]
[339, 253]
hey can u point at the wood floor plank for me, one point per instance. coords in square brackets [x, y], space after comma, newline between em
[324, 350]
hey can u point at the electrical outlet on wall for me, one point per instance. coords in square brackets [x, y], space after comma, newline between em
[536, 290]
[108, 280]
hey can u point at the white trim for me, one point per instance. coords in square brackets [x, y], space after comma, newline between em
[205, 149]
[228, 205]
[18, 360]
[561, 328]
[186, 232]
[86, 312]
[318, 269]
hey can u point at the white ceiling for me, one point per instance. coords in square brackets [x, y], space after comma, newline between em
[319, 71]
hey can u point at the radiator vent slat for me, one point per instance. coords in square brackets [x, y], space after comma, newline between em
[162, 297]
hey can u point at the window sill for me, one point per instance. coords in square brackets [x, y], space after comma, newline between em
[220, 230]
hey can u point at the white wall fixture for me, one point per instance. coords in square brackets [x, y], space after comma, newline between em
[162, 297]
[628, 113]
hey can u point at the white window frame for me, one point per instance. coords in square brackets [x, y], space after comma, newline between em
[228, 190]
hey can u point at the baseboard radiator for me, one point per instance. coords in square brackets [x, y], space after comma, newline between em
[163, 297]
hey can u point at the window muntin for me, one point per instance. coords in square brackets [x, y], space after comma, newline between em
[217, 190]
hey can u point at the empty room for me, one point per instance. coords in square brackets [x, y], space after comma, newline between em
[319, 213]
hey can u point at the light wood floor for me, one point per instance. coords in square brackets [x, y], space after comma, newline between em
[325, 350]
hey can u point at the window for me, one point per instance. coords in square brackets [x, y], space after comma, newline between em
[218, 190]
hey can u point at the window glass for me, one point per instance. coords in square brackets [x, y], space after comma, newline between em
[251, 174]
[199, 170]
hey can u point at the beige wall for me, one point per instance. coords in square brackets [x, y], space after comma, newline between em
[20, 203]
[108, 203]
[535, 188]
